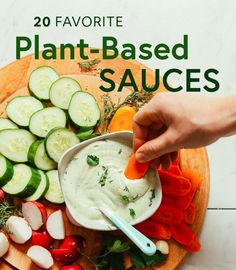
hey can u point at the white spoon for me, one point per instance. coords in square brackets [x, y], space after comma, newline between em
[140, 240]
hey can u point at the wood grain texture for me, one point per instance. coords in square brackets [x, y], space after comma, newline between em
[13, 82]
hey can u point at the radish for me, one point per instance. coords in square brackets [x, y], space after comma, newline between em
[55, 225]
[40, 256]
[65, 255]
[19, 228]
[72, 267]
[42, 239]
[2, 194]
[35, 213]
[73, 241]
[4, 244]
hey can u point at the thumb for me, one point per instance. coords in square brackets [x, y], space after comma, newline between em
[157, 147]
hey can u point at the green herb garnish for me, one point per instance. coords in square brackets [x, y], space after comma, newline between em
[104, 176]
[120, 151]
[118, 246]
[135, 197]
[153, 196]
[89, 65]
[132, 212]
[141, 260]
[126, 189]
[111, 255]
[125, 198]
[92, 160]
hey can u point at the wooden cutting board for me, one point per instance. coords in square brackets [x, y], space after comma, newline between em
[13, 82]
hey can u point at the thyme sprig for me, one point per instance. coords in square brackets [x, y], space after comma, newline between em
[103, 178]
[7, 209]
[135, 99]
[89, 65]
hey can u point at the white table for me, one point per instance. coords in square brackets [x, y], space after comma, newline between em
[211, 26]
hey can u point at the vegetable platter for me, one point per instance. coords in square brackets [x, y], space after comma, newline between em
[18, 84]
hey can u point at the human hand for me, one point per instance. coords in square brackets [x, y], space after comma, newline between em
[172, 121]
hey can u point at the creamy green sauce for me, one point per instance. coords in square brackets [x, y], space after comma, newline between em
[87, 187]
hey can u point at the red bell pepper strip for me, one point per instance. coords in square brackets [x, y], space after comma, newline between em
[153, 229]
[183, 202]
[175, 170]
[194, 245]
[182, 233]
[168, 215]
[190, 214]
[168, 200]
[177, 161]
[174, 185]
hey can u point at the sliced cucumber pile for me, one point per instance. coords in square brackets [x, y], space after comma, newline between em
[83, 110]
[62, 90]
[24, 182]
[58, 141]
[35, 135]
[42, 188]
[6, 171]
[45, 120]
[54, 193]
[15, 144]
[20, 109]
[37, 155]
[41, 80]
[7, 124]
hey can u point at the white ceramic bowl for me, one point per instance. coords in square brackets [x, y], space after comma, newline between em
[70, 153]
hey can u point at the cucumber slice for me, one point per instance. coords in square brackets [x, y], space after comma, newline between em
[7, 124]
[86, 135]
[6, 171]
[62, 90]
[54, 193]
[45, 120]
[15, 144]
[37, 155]
[58, 141]
[20, 109]
[41, 80]
[24, 182]
[84, 110]
[42, 188]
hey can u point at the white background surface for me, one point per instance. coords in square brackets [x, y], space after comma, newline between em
[211, 26]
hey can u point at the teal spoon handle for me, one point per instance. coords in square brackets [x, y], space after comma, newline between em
[140, 240]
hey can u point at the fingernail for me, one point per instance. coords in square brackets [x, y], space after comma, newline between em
[140, 157]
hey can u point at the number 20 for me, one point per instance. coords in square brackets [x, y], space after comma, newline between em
[45, 21]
